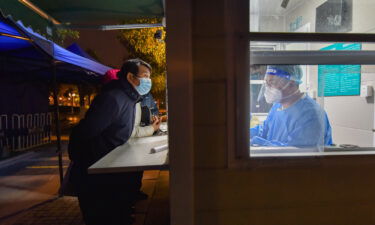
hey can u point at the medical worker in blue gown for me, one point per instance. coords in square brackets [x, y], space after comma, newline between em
[295, 119]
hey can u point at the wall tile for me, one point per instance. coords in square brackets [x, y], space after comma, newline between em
[210, 149]
[284, 188]
[344, 214]
[209, 58]
[212, 12]
[209, 104]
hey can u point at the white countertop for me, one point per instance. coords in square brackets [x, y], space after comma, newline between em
[133, 156]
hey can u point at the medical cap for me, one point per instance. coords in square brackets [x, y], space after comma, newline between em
[288, 72]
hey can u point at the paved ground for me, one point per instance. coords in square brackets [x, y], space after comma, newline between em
[28, 193]
[29, 179]
[65, 210]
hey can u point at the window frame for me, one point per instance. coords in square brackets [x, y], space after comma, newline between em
[240, 157]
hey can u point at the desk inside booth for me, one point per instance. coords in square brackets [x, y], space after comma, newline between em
[134, 155]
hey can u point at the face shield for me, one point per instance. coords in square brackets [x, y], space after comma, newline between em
[276, 80]
[272, 89]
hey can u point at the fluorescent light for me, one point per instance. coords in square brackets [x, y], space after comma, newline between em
[14, 36]
[113, 27]
[130, 26]
[38, 11]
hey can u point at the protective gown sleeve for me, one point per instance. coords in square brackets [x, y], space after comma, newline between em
[309, 132]
[264, 142]
[261, 129]
[255, 130]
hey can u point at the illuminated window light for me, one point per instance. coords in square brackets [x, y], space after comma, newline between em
[14, 36]
[39, 11]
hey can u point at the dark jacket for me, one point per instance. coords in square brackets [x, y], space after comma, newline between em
[107, 124]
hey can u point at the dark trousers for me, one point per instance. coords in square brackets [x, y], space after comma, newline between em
[106, 199]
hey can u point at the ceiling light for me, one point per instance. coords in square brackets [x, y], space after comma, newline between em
[38, 11]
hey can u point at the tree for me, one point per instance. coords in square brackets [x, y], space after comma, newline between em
[93, 54]
[141, 43]
[62, 34]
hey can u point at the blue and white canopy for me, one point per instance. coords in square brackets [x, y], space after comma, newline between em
[24, 51]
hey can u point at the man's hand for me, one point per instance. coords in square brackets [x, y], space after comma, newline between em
[156, 122]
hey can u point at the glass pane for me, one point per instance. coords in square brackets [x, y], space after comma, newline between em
[311, 109]
[320, 16]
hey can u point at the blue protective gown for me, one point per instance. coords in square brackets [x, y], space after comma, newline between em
[304, 124]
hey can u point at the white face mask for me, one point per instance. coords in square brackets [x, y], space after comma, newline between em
[272, 95]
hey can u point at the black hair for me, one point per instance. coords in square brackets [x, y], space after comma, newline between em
[131, 65]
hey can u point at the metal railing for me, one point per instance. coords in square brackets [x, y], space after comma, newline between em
[19, 132]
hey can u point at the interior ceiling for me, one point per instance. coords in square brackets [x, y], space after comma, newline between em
[272, 7]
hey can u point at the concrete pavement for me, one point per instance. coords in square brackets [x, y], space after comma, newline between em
[29, 186]
[27, 181]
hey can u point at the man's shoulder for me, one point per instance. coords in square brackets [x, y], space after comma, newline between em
[115, 93]
[109, 98]
[310, 109]
[309, 103]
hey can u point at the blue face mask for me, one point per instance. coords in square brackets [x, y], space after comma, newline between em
[144, 87]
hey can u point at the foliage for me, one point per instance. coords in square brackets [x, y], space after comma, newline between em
[62, 34]
[141, 43]
[93, 54]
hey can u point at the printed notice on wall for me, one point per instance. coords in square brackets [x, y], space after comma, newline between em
[339, 80]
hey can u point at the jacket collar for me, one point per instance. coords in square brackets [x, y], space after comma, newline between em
[129, 90]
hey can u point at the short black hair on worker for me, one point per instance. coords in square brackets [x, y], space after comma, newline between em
[131, 65]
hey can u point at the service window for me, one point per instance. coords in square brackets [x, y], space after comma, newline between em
[311, 84]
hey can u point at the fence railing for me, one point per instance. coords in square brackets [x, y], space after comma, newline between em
[23, 131]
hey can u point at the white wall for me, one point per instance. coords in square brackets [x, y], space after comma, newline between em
[306, 10]
[271, 22]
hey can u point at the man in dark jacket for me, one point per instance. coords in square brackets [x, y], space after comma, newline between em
[107, 198]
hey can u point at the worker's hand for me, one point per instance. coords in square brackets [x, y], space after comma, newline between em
[156, 123]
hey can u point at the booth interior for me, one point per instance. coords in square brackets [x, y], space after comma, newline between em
[338, 76]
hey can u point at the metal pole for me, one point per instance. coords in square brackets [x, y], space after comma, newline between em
[57, 123]
[56, 108]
